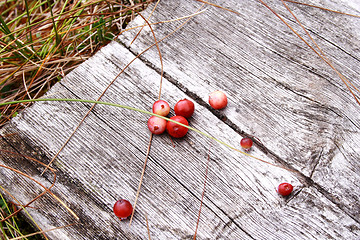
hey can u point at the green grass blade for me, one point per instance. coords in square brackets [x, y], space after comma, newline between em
[57, 36]
[9, 227]
[149, 113]
[5, 28]
[29, 23]
[138, 110]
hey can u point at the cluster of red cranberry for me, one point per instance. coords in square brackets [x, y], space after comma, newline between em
[184, 109]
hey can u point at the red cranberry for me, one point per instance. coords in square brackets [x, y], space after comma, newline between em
[217, 100]
[176, 130]
[122, 209]
[184, 108]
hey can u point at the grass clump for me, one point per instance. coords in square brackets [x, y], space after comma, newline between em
[14, 227]
[42, 40]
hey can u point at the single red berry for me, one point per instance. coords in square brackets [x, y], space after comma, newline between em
[156, 125]
[217, 100]
[122, 209]
[176, 130]
[246, 143]
[184, 108]
[285, 189]
[161, 107]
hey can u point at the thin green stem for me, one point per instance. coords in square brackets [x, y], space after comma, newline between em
[57, 36]
[29, 23]
[108, 104]
[142, 111]
[5, 29]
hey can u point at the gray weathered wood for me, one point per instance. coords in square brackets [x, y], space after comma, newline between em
[279, 91]
[282, 92]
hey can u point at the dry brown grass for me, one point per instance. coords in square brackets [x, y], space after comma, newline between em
[41, 41]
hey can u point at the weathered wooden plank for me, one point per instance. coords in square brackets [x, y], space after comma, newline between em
[88, 170]
[281, 91]
[103, 160]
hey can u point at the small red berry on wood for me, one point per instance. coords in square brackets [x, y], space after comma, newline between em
[122, 209]
[175, 130]
[161, 107]
[156, 125]
[217, 100]
[285, 189]
[246, 143]
[184, 108]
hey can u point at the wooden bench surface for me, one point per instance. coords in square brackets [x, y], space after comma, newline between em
[301, 114]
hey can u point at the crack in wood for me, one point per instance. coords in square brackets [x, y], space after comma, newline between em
[306, 180]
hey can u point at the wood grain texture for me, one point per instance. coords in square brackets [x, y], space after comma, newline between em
[279, 91]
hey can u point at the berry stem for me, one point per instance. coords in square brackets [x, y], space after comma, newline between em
[147, 226]
[151, 135]
[141, 178]
[203, 193]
